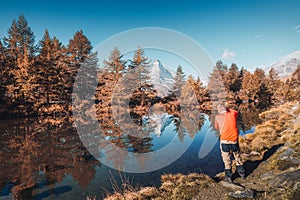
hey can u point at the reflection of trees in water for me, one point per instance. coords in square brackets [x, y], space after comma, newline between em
[192, 121]
[131, 131]
[189, 123]
[248, 118]
[188, 119]
[36, 151]
[127, 133]
[26, 159]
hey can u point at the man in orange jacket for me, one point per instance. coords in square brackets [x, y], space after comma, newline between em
[225, 122]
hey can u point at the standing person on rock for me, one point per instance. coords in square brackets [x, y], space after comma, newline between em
[226, 123]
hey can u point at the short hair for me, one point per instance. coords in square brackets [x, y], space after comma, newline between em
[221, 105]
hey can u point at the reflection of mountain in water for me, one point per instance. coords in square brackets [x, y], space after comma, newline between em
[158, 122]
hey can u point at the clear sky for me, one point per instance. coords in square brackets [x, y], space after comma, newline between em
[250, 33]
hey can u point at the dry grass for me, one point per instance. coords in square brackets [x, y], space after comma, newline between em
[284, 130]
[283, 194]
[175, 187]
[190, 186]
[277, 127]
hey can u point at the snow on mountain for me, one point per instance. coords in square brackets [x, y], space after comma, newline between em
[161, 78]
[286, 65]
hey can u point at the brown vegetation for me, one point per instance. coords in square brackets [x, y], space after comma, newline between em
[274, 130]
[177, 186]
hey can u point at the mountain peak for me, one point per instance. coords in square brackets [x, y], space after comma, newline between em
[161, 78]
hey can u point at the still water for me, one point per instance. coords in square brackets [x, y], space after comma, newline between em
[45, 158]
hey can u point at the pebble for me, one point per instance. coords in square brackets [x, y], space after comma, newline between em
[266, 176]
[232, 186]
[254, 153]
[242, 194]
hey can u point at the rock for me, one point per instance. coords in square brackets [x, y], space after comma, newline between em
[254, 153]
[232, 186]
[286, 153]
[296, 186]
[242, 194]
[286, 179]
[266, 176]
[295, 107]
[293, 160]
[287, 144]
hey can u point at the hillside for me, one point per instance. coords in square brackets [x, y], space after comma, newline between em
[286, 65]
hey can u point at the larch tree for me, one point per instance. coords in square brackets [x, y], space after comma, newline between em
[179, 81]
[263, 94]
[274, 84]
[78, 49]
[200, 91]
[51, 73]
[21, 50]
[110, 74]
[138, 74]
[216, 87]
[83, 96]
[62, 74]
[113, 69]
[255, 89]
[45, 69]
[292, 86]
[233, 84]
[115, 64]
[174, 93]
[140, 65]
[4, 77]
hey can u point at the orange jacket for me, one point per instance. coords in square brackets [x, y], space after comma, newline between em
[226, 123]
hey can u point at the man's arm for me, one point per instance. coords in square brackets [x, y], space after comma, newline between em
[235, 113]
[216, 123]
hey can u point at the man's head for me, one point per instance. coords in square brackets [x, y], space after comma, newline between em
[221, 108]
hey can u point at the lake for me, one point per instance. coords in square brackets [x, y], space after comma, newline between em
[44, 158]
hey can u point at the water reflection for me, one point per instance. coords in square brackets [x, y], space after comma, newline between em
[38, 152]
[45, 159]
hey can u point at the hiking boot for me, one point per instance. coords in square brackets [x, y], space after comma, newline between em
[228, 179]
[242, 176]
[240, 170]
[228, 175]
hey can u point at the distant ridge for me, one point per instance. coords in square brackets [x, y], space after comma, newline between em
[286, 65]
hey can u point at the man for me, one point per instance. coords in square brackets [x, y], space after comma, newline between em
[225, 121]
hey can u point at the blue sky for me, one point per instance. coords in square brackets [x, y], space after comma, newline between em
[250, 33]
